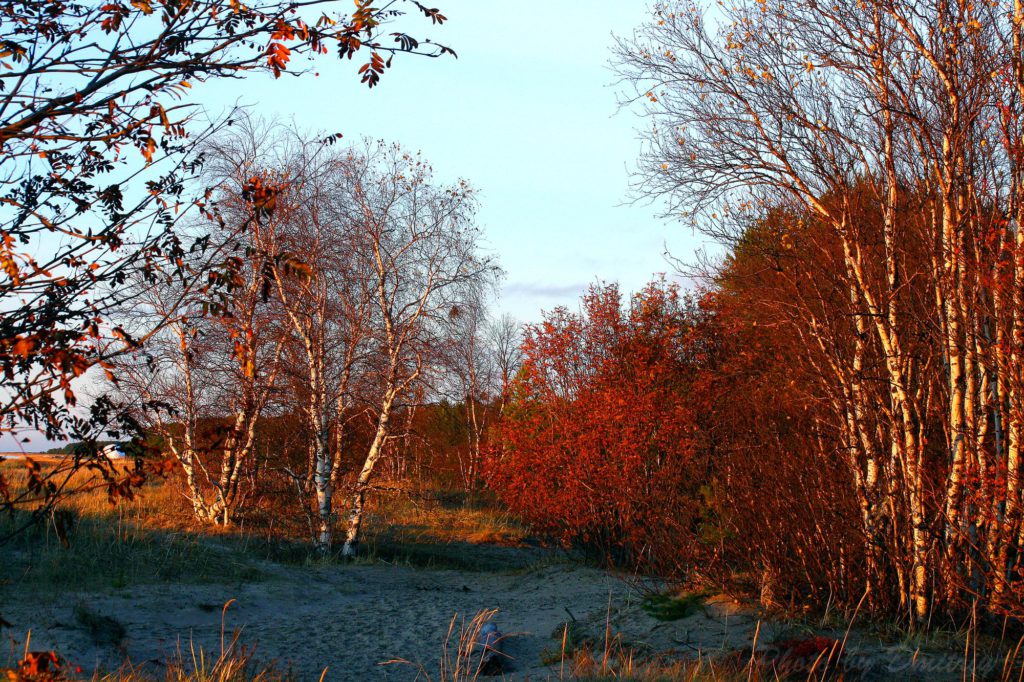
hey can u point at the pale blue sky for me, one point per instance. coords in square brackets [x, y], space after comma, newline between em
[528, 114]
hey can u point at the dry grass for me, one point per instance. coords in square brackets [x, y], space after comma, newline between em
[234, 663]
[93, 544]
[407, 515]
[198, 666]
[429, 530]
[461, 657]
[89, 543]
[159, 504]
[399, 512]
[417, 516]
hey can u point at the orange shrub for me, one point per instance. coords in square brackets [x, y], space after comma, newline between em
[598, 445]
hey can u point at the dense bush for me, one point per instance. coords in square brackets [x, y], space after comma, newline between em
[600, 444]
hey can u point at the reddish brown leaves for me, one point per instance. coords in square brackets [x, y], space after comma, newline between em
[163, 467]
[114, 15]
[8, 260]
[24, 346]
[432, 13]
[147, 149]
[35, 482]
[348, 45]
[372, 70]
[365, 18]
[123, 487]
[598, 444]
[278, 55]
[261, 195]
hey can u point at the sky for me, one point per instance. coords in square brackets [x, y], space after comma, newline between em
[528, 114]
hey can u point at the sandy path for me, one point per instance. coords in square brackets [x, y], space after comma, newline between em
[351, 618]
[348, 618]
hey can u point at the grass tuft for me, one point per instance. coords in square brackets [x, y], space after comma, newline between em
[667, 607]
[463, 657]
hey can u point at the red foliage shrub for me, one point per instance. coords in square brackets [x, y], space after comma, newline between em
[598, 447]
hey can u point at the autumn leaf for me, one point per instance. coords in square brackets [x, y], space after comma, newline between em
[148, 149]
[24, 346]
[372, 70]
[278, 55]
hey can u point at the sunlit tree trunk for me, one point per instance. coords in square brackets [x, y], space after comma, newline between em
[362, 483]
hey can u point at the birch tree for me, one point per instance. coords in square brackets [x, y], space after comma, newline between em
[205, 381]
[329, 308]
[213, 367]
[417, 241]
[473, 382]
[505, 338]
[895, 125]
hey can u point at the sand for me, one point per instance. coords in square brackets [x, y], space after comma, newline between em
[352, 619]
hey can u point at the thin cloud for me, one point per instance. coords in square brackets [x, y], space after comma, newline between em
[536, 290]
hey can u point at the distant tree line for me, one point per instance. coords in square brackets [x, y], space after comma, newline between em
[82, 446]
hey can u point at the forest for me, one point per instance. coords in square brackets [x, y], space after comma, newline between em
[297, 339]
